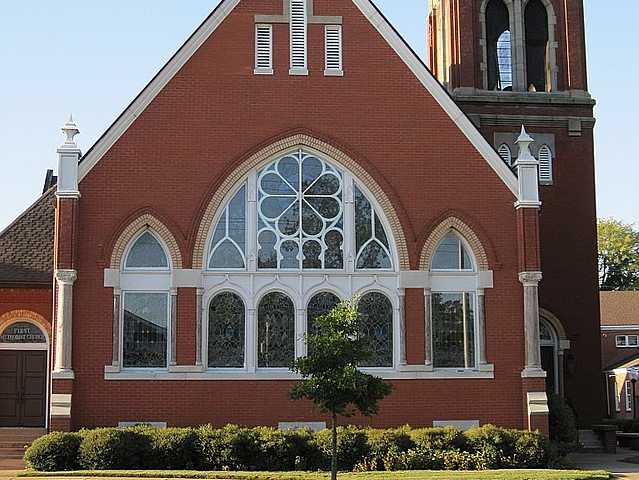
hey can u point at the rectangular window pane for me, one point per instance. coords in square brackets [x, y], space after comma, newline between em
[453, 324]
[629, 396]
[145, 330]
[633, 340]
[621, 341]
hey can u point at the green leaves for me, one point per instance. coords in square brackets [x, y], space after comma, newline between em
[330, 374]
[618, 255]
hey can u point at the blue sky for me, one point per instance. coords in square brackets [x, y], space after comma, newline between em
[91, 58]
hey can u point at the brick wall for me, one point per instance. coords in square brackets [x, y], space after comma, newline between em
[209, 118]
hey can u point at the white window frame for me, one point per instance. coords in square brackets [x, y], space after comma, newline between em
[617, 394]
[328, 70]
[260, 69]
[623, 341]
[628, 392]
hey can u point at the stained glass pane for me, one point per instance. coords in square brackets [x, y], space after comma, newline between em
[228, 246]
[226, 331]
[370, 237]
[453, 324]
[299, 202]
[145, 330]
[276, 331]
[320, 305]
[376, 326]
[147, 253]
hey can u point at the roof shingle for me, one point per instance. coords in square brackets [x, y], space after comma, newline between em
[619, 308]
[26, 246]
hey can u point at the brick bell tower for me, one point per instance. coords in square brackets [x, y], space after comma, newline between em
[509, 63]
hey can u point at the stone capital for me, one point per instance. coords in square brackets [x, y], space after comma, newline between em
[66, 277]
[530, 279]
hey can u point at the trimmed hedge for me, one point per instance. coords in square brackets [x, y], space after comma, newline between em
[234, 448]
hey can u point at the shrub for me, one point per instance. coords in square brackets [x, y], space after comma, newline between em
[439, 438]
[239, 448]
[114, 449]
[387, 448]
[352, 447]
[55, 452]
[173, 448]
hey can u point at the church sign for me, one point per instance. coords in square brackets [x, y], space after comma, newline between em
[22, 332]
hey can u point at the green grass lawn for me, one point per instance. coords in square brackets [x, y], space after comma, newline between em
[489, 475]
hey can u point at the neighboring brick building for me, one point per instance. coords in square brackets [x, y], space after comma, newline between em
[620, 350]
[295, 152]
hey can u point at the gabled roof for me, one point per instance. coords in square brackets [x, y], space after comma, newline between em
[619, 308]
[628, 362]
[379, 22]
[26, 246]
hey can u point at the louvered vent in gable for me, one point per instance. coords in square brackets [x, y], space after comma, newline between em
[298, 37]
[505, 153]
[263, 49]
[545, 165]
[333, 50]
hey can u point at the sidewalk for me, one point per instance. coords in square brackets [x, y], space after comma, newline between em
[608, 462]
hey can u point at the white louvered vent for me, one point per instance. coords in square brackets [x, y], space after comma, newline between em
[298, 37]
[333, 50]
[545, 165]
[505, 153]
[263, 49]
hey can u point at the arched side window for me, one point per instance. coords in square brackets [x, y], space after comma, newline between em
[452, 254]
[146, 253]
[545, 165]
[376, 327]
[498, 46]
[145, 317]
[505, 153]
[453, 306]
[228, 245]
[226, 331]
[537, 66]
[276, 331]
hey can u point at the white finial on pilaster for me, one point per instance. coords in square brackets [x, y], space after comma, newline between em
[527, 167]
[68, 159]
[70, 129]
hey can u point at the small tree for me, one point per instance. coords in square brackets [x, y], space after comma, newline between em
[330, 374]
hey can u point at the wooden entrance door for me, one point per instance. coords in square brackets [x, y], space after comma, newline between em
[22, 388]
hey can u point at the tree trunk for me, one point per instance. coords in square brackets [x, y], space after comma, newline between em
[334, 457]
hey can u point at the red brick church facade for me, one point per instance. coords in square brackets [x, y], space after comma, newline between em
[296, 152]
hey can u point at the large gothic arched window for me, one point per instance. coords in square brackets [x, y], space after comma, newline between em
[537, 65]
[298, 223]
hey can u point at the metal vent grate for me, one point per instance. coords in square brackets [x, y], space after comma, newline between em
[545, 165]
[333, 48]
[298, 34]
[264, 48]
[505, 153]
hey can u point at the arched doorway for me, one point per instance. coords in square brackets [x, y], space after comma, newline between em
[553, 343]
[24, 349]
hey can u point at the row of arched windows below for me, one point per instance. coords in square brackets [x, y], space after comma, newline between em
[302, 217]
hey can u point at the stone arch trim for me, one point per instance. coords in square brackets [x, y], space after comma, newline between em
[453, 223]
[146, 221]
[554, 322]
[14, 316]
[254, 160]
